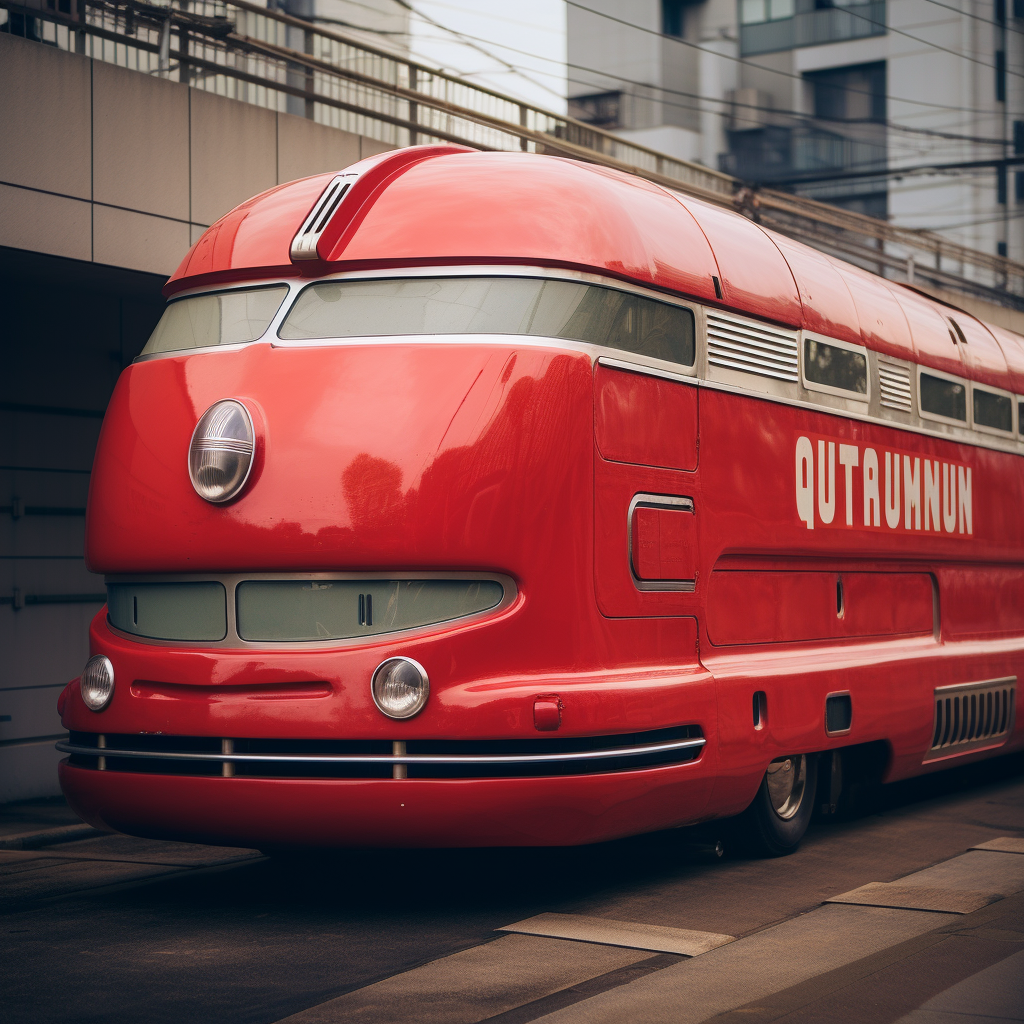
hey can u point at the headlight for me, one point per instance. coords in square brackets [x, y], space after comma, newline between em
[400, 687]
[220, 455]
[97, 683]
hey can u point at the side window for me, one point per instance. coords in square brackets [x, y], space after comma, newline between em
[993, 410]
[836, 368]
[943, 397]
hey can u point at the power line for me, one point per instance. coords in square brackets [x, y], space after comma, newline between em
[760, 67]
[898, 172]
[473, 45]
[977, 17]
[894, 125]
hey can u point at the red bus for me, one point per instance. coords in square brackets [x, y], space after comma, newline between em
[474, 499]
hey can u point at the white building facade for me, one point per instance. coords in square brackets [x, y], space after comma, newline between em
[821, 96]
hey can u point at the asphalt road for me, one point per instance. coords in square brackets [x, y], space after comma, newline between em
[115, 929]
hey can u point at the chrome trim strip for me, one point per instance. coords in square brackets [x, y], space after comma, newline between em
[303, 246]
[231, 580]
[391, 759]
[656, 501]
[643, 369]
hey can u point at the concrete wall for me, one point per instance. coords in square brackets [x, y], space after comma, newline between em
[106, 177]
[112, 166]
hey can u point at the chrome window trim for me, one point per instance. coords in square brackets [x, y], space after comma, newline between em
[990, 389]
[828, 389]
[230, 582]
[657, 501]
[282, 311]
[777, 391]
[967, 423]
[696, 742]
[644, 369]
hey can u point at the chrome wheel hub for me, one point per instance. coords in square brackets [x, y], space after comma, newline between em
[787, 781]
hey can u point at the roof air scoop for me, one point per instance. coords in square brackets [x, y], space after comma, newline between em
[304, 243]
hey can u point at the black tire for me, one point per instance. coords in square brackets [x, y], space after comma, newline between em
[767, 833]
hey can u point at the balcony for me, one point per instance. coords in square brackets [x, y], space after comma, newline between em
[812, 28]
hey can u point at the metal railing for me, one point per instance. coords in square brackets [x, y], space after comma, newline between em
[237, 49]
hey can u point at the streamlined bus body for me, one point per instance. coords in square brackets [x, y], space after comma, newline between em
[474, 499]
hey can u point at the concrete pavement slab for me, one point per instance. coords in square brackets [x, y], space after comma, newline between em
[993, 995]
[474, 984]
[631, 934]
[917, 897]
[756, 966]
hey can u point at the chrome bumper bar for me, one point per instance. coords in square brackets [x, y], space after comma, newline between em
[387, 759]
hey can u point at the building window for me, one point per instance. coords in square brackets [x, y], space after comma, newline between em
[850, 94]
[1000, 76]
[602, 109]
[756, 12]
[1018, 186]
[673, 18]
[1001, 185]
[1001, 249]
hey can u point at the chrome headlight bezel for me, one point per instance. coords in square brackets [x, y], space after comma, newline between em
[419, 681]
[96, 684]
[240, 448]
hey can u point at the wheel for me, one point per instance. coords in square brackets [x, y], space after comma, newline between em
[774, 824]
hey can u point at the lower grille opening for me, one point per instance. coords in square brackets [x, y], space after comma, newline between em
[973, 715]
[375, 759]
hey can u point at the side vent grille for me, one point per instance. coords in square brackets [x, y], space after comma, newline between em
[304, 243]
[752, 347]
[971, 716]
[894, 387]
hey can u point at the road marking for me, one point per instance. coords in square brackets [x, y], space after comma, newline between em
[473, 984]
[630, 934]
[917, 897]
[1005, 844]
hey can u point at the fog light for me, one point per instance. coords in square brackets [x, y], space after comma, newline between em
[97, 683]
[400, 687]
[220, 454]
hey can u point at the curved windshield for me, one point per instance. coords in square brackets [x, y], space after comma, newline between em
[217, 318]
[493, 305]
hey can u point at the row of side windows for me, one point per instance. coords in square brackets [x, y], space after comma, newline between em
[842, 368]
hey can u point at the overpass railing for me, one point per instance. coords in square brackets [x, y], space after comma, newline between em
[244, 51]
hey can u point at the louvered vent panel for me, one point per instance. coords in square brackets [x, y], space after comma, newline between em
[736, 344]
[975, 715]
[894, 387]
[304, 242]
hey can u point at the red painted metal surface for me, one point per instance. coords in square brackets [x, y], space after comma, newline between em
[524, 459]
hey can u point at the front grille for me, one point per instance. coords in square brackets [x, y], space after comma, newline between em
[894, 389]
[972, 716]
[738, 344]
[379, 759]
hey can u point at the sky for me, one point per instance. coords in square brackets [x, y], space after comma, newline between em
[529, 35]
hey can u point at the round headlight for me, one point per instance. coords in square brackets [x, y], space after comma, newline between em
[220, 455]
[400, 687]
[97, 683]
